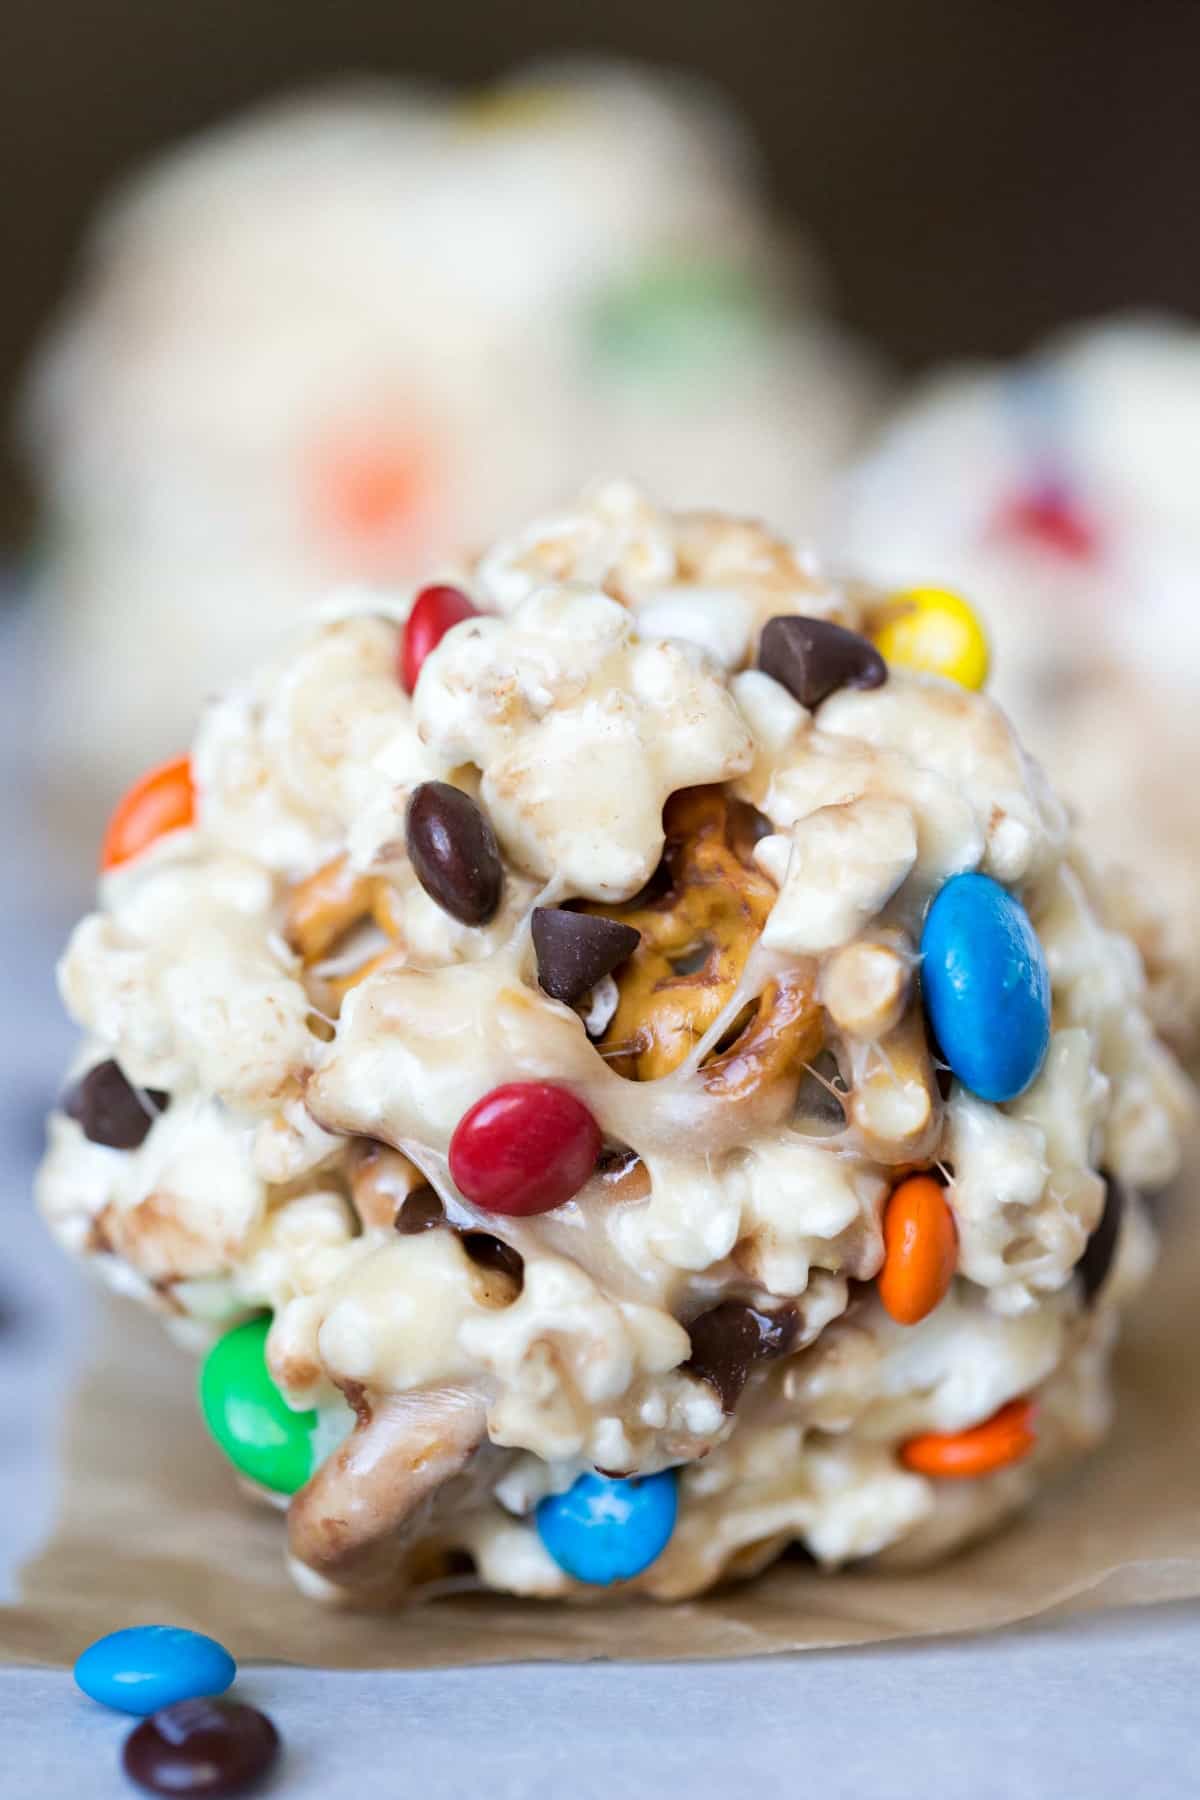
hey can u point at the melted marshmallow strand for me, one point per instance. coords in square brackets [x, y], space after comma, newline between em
[666, 1220]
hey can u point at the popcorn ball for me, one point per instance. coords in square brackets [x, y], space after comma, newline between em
[323, 343]
[1056, 496]
[616, 1074]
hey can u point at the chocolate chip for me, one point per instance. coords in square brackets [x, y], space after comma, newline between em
[729, 1340]
[420, 1211]
[492, 1253]
[576, 950]
[615, 1160]
[210, 1748]
[423, 1211]
[820, 1102]
[454, 853]
[745, 827]
[812, 658]
[623, 1173]
[457, 1564]
[110, 1110]
[1096, 1261]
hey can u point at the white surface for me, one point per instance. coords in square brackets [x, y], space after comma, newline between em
[1102, 1708]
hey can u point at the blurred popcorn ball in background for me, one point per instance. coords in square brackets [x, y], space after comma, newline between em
[310, 347]
[1060, 495]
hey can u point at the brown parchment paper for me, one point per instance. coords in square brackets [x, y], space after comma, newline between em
[152, 1528]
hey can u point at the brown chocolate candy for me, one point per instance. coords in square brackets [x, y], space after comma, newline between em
[110, 1110]
[1093, 1266]
[209, 1749]
[812, 658]
[489, 1252]
[745, 827]
[729, 1340]
[622, 1174]
[615, 1161]
[576, 950]
[420, 1211]
[423, 1211]
[454, 853]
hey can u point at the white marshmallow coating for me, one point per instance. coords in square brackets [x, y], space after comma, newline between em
[309, 1096]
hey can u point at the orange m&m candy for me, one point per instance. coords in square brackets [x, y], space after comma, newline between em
[364, 487]
[163, 800]
[920, 1250]
[958, 1455]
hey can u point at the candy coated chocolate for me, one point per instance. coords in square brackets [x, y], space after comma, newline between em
[249, 1417]
[986, 987]
[935, 631]
[434, 611]
[675, 313]
[454, 853]
[201, 1749]
[604, 1529]
[813, 658]
[160, 801]
[1051, 518]
[525, 1148]
[146, 1667]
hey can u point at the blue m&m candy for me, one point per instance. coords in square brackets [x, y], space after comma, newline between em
[603, 1530]
[147, 1667]
[986, 987]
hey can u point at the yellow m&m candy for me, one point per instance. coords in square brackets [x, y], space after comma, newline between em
[934, 630]
[512, 106]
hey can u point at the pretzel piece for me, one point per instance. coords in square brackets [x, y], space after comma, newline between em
[699, 922]
[359, 1517]
[324, 908]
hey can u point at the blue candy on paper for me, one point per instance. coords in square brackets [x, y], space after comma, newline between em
[604, 1530]
[986, 987]
[146, 1667]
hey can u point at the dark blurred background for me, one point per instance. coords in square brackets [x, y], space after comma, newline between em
[974, 172]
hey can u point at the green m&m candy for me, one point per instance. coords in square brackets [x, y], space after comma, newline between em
[671, 316]
[249, 1417]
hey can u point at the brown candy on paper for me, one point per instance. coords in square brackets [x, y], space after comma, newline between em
[151, 1527]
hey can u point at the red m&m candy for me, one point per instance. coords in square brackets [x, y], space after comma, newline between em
[434, 611]
[1048, 518]
[524, 1148]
